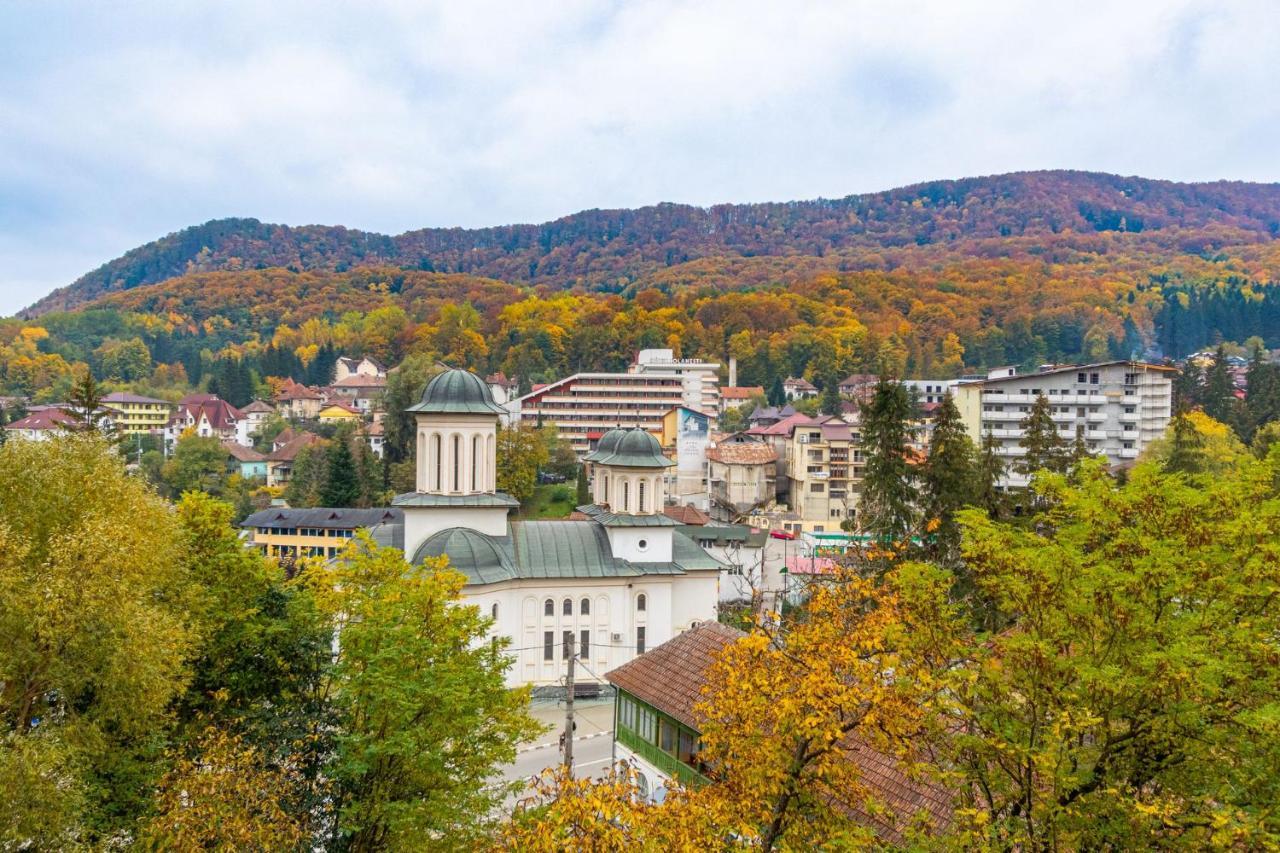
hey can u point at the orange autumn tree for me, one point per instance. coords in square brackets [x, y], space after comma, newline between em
[801, 728]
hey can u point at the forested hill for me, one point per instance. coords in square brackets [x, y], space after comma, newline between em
[607, 250]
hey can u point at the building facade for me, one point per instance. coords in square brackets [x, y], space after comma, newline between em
[825, 467]
[741, 476]
[700, 380]
[134, 414]
[1117, 408]
[686, 434]
[586, 405]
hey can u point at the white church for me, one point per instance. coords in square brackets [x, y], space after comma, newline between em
[622, 581]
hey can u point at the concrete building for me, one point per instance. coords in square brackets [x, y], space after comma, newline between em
[825, 467]
[586, 405]
[700, 379]
[367, 366]
[320, 532]
[741, 476]
[134, 414]
[359, 390]
[256, 415]
[734, 397]
[1117, 407]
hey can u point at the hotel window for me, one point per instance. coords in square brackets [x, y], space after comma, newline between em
[548, 645]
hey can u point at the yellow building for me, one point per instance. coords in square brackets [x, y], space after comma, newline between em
[133, 414]
[322, 532]
[337, 413]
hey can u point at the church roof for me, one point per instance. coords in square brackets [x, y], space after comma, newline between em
[629, 448]
[483, 559]
[470, 501]
[606, 517]
[457, 392]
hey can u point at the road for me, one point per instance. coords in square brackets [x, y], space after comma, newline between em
[592, 747]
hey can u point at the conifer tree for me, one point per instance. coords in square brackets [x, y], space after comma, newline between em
[1262, 401]
[831, 398]
[777, 394]
[950, 479]
[1219, 397]
[584, 494]
[991, 470]
[1188, 390]
[1045, 448]
[1185, 447]
[888, 512]
[341, 485]
[85, 403]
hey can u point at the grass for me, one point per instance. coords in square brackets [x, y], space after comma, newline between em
[550, 501]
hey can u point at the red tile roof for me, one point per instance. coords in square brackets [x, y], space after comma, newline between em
[741, 392]
[686, 514]
[742, 453]
[44, 419]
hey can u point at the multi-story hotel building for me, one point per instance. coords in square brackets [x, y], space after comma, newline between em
[1117, 407]
[701, 379]
[587, 405]
[134, 414]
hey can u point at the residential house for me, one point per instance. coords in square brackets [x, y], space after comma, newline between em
[503, 388]
[360, 391]
[346, 367]
[338, 413]
[858, 386]
[284, 454]
[798, 389]
[738, 396]
[41, 425]
[134, 414]
[1118, 408]
[250, 464]
[742, 476]
[256, 415]
[657, 731]
[764, 416]
[298, 401]
[207, 415]
[375, 435]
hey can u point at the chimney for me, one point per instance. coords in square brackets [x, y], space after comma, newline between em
[733, 372]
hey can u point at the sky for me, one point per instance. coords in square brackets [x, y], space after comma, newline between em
[124, 121]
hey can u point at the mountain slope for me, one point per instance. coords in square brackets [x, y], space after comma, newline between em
[608, 249]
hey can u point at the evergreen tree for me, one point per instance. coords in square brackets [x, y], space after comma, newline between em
[1219, 396]
[1262, 401]
[1045, 448]
[831, 402]
[307, 480]
[341, 485]
[777, 395]
[1188, 387]
[584, 494]
[888, 512]
[991, 471]
[1185, 447]
[85, 404]
[950, 480]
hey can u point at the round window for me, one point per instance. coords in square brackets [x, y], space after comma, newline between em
[643, 544]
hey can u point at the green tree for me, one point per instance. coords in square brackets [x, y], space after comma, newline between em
[405, 385]
[1185, 447]
[888, 505]
[777, 394]
[307, 480]
[1131, 702]
[423, 712]
[521, 455]
[84, 404]
[1044, 446]
[991, 472]
[1219, 389]
[584, 491]
[198, 463]
[124, 361]
[831, 402]
[93, 626]
[341, 484]
[950, 480]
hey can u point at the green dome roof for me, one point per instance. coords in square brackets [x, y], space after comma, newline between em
[457, 392]
[629, 448]
[475, 555]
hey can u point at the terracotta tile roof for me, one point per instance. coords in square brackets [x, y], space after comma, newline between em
[293, 391]
[257, 406]
[786, 425]
[241, 453]
[742, 453]
[289, 451]
[801, 384]
[357, 380]
[687, 514]
[741, 392]
[670, 677]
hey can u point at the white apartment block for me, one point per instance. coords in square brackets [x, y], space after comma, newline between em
[1117, 407]
[700, 379]
[586, 405]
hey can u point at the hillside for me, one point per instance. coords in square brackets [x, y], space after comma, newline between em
[611, 250]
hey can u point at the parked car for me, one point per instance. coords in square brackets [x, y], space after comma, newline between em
[782, 534]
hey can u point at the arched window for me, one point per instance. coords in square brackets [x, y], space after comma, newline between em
[641, 601]
[640, 495]
[475, 463]
[457, 462]
[568, 607]
[493, 611]
[584, 607]
[436, 450]
[548, 608]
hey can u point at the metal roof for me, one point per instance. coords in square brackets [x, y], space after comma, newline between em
[481, 500]
[629, 448]
[608, 518]
[329, 518]
[457, 392]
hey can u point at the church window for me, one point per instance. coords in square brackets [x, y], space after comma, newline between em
[584, 607]
[626, 496]
[457, 463]
[493, 611]
[641, 601]
[436, 450]
[548, 608]
[640, 495]
[568, 607]
[475, 463]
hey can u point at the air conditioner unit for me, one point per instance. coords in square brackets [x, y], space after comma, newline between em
[617, 638]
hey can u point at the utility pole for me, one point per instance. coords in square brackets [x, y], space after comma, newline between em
[568, 709]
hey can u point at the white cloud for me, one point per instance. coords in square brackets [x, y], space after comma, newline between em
[123, 122]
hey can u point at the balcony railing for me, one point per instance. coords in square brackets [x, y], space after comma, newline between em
[663, 761]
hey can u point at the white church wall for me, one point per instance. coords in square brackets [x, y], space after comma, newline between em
[641, 544]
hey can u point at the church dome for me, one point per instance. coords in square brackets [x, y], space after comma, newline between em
[630, 448]
[474, 554]
[457, 392]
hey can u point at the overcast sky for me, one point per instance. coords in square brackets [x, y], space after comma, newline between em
[123, 121]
